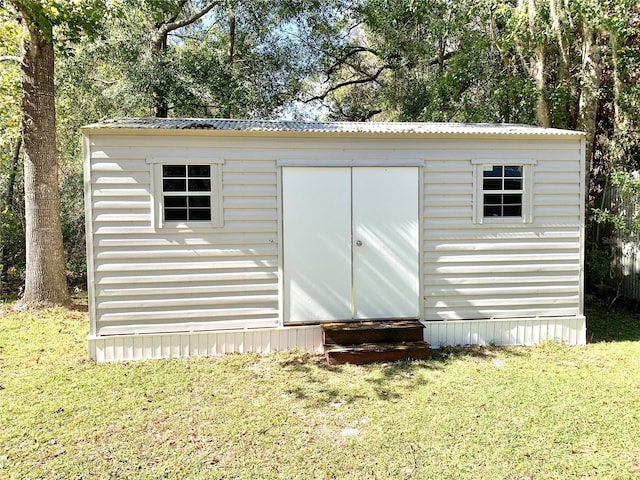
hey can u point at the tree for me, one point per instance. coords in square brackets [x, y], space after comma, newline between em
[45, 281]
[431, 61]
[237, 58]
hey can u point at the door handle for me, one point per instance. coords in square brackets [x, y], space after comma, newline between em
[358, 243]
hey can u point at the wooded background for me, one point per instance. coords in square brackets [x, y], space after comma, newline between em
[555, 63]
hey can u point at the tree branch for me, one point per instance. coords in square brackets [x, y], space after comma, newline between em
[175, 25]
[10, 58]
[356, 81]
[351, 51]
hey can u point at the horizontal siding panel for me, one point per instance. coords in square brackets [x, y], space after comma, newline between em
[491, 233]
[191, 326]
[571, 189]
[504, 300]
[113, 253]
[180, 240]
[136, 227]
[467, 313]
[252, 178]
[445, 202]
[162, 266]
[457, 163]
[132, 279]
[177, 302]
[496, 245]
[559, 166]
[151, 289]
[493, 291]
[432, 189]
[188, 314]
[550, 178]
[122, 203]
[250, 214]
[557, 211]
[449, 212]
[432, 269]
[199, 143]
[253, 202]
[229, 227]
[455, 226]
[497, 257]
[122, 230]
[556, 200]
[433, 282]
[118, 218]
[127, 178]
[137, 191]
[154, 147]
[447, 151]
[112, 166]
[243, 191]
[242, 166]
[249, 226]
[445, 178]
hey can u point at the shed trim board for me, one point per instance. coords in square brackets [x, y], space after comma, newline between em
[184, 288]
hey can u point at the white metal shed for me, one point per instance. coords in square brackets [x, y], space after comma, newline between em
[210, 236]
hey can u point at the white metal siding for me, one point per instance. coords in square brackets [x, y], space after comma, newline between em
[506, 270]
[507, 331]
[198, 344]
[163, 282]
[171, 281]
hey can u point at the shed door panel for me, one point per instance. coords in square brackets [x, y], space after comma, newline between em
[317, 243]
[385, 242]
[350, 243]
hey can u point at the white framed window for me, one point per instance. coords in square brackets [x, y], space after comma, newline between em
[503, 190]
[187, 193]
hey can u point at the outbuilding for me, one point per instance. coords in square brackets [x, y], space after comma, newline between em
[213, 236]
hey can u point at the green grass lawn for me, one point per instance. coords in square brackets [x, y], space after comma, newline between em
[545, 412]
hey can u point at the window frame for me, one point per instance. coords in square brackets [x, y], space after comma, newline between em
[479, 165]
[158, 194]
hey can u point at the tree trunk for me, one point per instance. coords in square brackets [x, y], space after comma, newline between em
[591, 73]
[46, 282]
[620, 122]
[539, 76]
[158, 95]
[228, 108]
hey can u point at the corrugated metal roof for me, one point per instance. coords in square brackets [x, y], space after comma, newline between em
[326, 127]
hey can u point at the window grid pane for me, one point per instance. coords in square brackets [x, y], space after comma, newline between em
[503, 187]
[183, 187]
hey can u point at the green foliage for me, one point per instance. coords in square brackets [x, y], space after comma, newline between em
[429, 61]
[243, 59]
[63, 20]
[598, 265]
[623, 214]
[12, 246]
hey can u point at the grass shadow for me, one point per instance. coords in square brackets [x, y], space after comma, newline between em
[388, 381]
[617, 324]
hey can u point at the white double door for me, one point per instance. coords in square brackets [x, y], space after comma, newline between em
[350, 243]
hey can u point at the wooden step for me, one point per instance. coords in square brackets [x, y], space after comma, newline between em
[384, 331]
[377, 352]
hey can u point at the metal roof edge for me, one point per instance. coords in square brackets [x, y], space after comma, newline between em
[228, 126]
